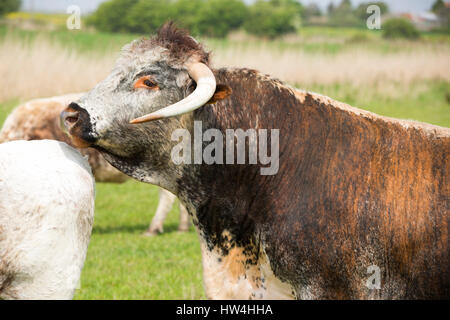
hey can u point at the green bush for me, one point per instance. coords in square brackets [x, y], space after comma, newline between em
[148, 15]
[399, 28]
[213, 18]
[361, 10]
[443, 12]
[186, 14]
[272, 18]
[7, 6]
[111, 16]
[311, 10]
[342, 15]
[217, 18]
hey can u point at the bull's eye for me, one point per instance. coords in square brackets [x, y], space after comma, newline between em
[146, 82]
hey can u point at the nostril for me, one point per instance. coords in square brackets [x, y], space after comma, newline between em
[76, 123]
[69, 119]
[72, 119]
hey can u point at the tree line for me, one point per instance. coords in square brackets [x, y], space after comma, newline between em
[263, 18]
[7, 6]
[217, 18]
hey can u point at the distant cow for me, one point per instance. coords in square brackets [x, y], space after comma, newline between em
[39, 119]
[358, 208]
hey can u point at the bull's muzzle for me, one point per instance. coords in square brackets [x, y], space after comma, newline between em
[75, 121]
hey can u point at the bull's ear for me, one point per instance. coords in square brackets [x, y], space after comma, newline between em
[222, 92]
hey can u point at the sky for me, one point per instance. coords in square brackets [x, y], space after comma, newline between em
[87, 6]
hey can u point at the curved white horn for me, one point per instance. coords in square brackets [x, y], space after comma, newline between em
[206, 86]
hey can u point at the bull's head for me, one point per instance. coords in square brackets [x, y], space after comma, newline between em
[153, 79]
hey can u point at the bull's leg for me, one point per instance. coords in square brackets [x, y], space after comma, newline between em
[184, 219]
[166, 200]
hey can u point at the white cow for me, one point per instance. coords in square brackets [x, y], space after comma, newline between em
[39, 119]
[46, 216]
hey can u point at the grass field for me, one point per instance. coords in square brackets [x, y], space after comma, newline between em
[123, 264]
[402, 79]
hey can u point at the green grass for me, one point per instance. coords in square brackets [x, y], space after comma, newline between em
[5, 109]
[57, 20]
[82, 41]
[123, 264]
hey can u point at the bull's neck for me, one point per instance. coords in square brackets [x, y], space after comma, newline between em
[228, 199]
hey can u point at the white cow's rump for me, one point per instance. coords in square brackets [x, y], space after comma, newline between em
[46, 215]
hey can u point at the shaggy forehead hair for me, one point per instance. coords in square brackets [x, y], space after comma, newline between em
[176, 44]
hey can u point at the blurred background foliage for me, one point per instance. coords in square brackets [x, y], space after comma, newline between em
[261, 18]
[399, 28]
[7, 6]
[217, 18]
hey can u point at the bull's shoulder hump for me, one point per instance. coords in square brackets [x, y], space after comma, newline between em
[428, 129]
